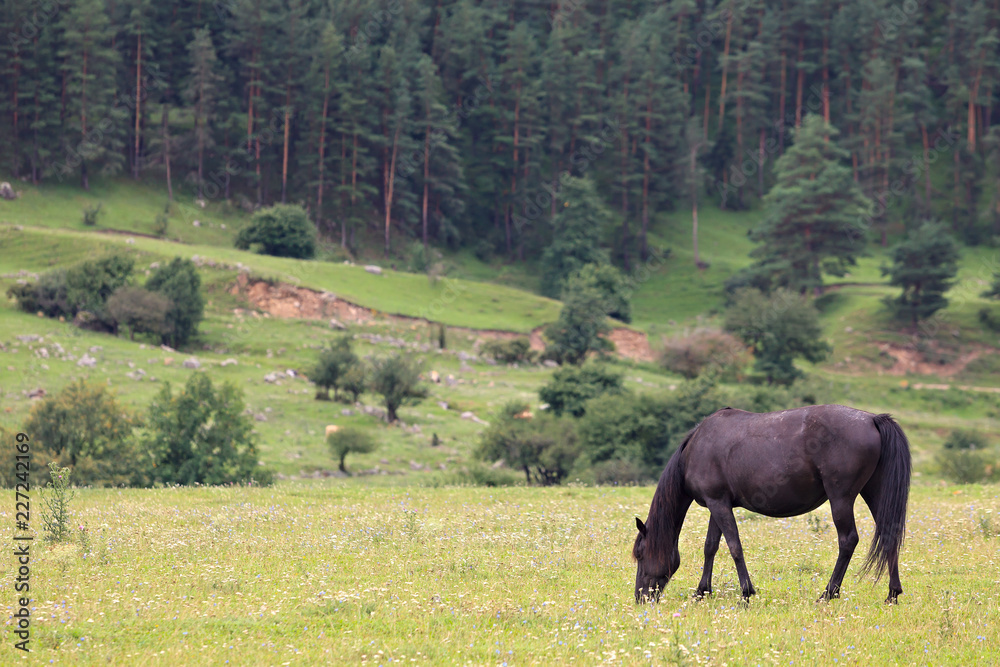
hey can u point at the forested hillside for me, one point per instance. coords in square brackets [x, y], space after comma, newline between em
[455, 121]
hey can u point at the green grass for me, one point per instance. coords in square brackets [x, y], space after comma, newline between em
[455, 302]
[334, 573]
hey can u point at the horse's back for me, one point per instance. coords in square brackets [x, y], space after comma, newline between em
[782, 463]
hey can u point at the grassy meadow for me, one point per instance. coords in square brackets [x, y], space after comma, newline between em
[348, 573]
[406, 560]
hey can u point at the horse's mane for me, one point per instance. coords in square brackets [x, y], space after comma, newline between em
[663, 523]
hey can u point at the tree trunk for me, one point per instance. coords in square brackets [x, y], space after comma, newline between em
[322, 146]
[760, 166]
[781, 106]
[643, 247]
[83, 123]
[427, 171]
[284, 157]
[138, 108]
[927, 167]
[800, 82]
[625, 230]
[390, 182]
[166, 150]
[725, 65]
[694, 207]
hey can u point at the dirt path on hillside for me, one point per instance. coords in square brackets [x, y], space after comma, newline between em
[289, 301]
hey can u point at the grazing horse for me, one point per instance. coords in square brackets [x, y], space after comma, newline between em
[779, 464]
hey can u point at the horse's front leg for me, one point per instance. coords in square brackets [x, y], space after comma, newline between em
[847, 539]
[711, 546]
[722, 515]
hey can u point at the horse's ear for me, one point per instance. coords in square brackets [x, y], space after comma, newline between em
[641, 526]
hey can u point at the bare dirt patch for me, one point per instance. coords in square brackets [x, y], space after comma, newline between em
[283, 300]
[911, 361]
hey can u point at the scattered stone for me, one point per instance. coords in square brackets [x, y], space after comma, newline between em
[465, 356]
[228, 362]
[167, 361]
[371, 268]
[848, 329]
[435, 376]
[94, 349]
[130, 241]
[291, 373]
[29, 338]
[271, 378]
[260, 416]
[223, 225]
[442, 405]
[337, 324]
[192, 363]
[499, 463]
[167, 348]
[417, 466]
[7, 192]
[42, 352]
[347, 412]
[548, 363]
[196, 223]
[450, 380]
[87, 360]
[36, 393]
[464, 367]
[467, 415]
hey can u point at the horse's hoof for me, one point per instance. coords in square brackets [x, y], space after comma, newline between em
[700, 594]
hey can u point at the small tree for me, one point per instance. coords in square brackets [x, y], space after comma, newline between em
[55, 507]
[994, 291]
[179, 281]
[202, 436]
[611, 285]
[544, 447]
[576, 235]
[347, 440]
[331, 368]
[581, 322]
[780, 328]
[283, 230]
[570, 388]
[91, 283]
[924, 266]
[84, 428]
[397, 380]
[140, 310]
[355, 380]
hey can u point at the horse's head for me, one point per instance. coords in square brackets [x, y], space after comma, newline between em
[656, 561]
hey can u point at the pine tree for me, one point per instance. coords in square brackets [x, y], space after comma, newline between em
[813, 213]
[201, 92]
[90, 66]
[924, 265]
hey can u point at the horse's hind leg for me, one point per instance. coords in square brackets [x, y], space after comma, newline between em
[722, 516]
[711, 546]
[871, 497]
[847, 538]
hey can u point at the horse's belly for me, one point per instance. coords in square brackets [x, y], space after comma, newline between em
[788, 498]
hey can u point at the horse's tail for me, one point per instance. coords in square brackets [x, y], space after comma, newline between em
[893, 472]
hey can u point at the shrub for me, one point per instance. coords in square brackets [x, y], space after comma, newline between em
[85, 286]
[989, 319]
[282, 230]
[201, 436]
[179, 281]
[611, 285]
[140, 310]
[994, 290]
[84, 428]
[544, 447]
[483, 475]
[397, 380]
[581, 325]
[355, 380]
[570, 388]
[618, 471]
[780, 327]
[160, 225]
[516, 350]
[91, 214]
[717, 351]
[967, 440]
[55, 505]
[962, 466]
[332, 366]
[349, 440]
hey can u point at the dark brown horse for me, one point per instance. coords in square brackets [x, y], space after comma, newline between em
[779, 464]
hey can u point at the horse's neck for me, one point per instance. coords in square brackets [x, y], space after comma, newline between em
[671, 509]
